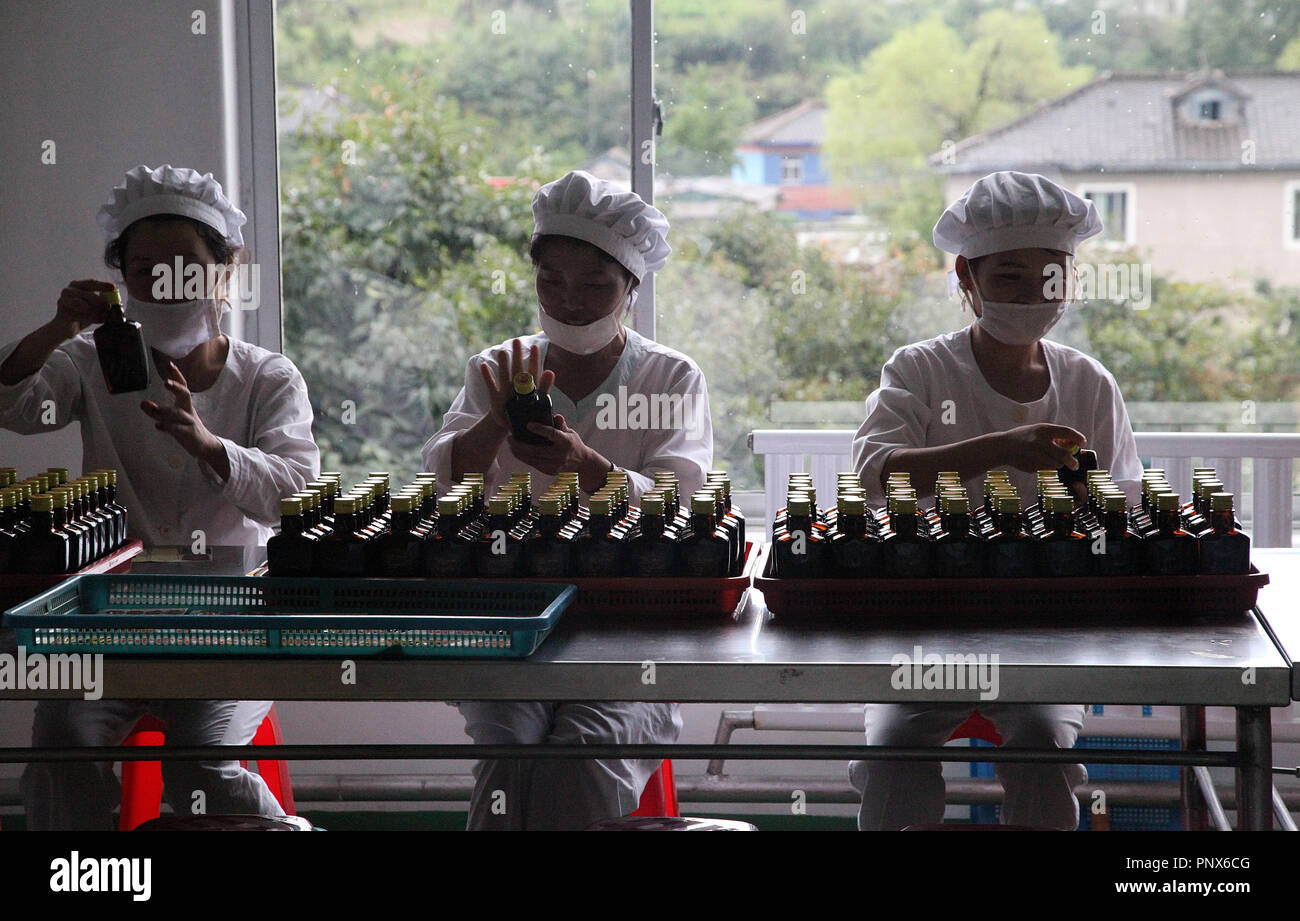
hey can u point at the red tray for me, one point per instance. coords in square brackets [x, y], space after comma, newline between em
[630, 595]
[998, 598]
[19, 586]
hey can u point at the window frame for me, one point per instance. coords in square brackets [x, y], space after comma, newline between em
[1129, 190]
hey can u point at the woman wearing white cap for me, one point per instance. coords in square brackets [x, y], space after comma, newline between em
[222, 432]
[592, 245]
[994, 394]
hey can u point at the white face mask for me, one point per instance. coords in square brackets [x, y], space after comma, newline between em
[176, 329]
[1019, 324]
[581, 340]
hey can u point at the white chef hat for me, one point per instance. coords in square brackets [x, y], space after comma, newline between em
[171, 190]
[599, 212]
[1012, 210]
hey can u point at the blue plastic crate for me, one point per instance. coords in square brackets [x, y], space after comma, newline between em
[1122, 818]
[246, 615]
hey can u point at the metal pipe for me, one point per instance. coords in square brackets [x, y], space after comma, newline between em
[1210, 796]
[729, 722]
[1280, 812]
[1254, 771]
[1191, 731]
[656, 752]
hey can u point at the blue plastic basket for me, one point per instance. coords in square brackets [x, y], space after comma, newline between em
[1122, 818]
[245, 615]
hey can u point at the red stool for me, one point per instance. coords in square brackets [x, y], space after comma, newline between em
[142, 780]
[977, 727]
[660, 795]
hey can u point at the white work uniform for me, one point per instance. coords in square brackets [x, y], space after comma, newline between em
[574, 794]
[933, 393]
[258, 408]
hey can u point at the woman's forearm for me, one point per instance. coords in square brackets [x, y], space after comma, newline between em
[32, 354]
[970, 458]
[474, 449]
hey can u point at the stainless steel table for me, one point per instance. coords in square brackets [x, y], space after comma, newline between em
[1229, 660]
[1280, 603]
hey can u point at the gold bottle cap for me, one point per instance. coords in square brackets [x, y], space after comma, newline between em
[345, 505]
[1009, 505]
[795, 506]
[113, 296]
[43, 503]
[1221, 501]
[403, 503]
[1060, 504]
[1167, 501]
[291, 506]
[652, 503]
[524, 383]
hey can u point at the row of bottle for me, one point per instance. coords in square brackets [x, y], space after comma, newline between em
[460, 535]
[1001, 538]
[52, 525]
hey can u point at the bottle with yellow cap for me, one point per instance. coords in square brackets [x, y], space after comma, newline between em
[80, 548]
[905, 550]
[958, 552]
[1171, 551]
[528, 404]
[1010, 550]
[1117, 550]
[599, 551]
[448, 554]
[705, 551]
[548, 551]
[499, 551]
[292, 552]
[652, 552]
[854, 551]
[9, 540]
[120, 345]
[344, 552]
[47, 549]
[1224, 551]
[400, 552]
[1063, 550]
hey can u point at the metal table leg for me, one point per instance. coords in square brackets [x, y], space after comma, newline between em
[1191, 726]
[1254, 771]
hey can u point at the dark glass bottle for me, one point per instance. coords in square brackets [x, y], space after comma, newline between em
[80, 544]
[705, 551]
[47, 549]
[1224, 550]
[528, 404]
[855, 552]
[498, 552]
[401, 550]
[1010, 549]
[123, 356]
[799, 551]
[344, 553]
[292, 552]
[653, 551]
[1123, 553]
[1171, 551]
[115, 508]
[906, 551]
[599, 552]
[9, 545]
[959, 553]
[449, 553]
[100, 520]
[1063, 551]
[548, 551]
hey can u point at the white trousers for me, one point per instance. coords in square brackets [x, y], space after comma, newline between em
[562, 795]
[81, 795]
[896, 794]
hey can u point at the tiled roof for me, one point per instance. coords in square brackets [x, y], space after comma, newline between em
[802, 124]
[1127, 122]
